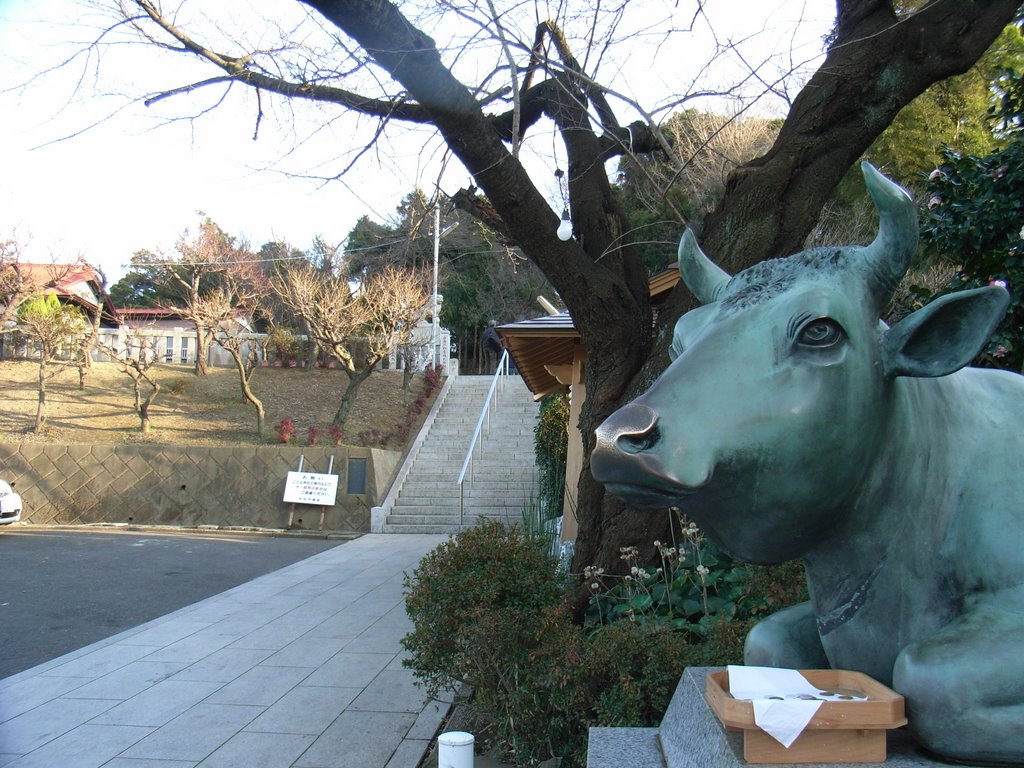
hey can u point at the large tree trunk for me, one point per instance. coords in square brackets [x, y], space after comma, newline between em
[41, 406]
[877, 64]
[202, 347]
[144, 418]
[88, 345]
[244, 374]
[348, 397]
[314, 348]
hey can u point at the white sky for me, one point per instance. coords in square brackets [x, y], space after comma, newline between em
[136, 181]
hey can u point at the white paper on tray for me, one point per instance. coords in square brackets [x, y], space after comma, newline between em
[775, 695]
[751, 683]
[784, 720]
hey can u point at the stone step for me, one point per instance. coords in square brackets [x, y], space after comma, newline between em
[404, 528]
[479, 488]
[514, 417]
[441, 524]
[476, 510]
[521, 423]
[438, 458]
[486, 500]
[503, 480]
[516, 500]
[430, 487]
[517, 462]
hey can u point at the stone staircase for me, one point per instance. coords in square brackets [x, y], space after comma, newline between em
[502, 479]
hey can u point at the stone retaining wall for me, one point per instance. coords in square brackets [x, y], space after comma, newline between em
[190, 486]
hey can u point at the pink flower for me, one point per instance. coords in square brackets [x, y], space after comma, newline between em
[936, 174]
[935, 202]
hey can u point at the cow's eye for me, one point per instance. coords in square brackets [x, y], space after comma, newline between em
[820, 333]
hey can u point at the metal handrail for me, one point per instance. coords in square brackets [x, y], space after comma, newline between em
[499, 375]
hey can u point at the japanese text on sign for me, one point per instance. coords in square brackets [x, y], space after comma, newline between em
[311, 488]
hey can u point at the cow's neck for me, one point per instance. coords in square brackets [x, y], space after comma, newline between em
[894, 522]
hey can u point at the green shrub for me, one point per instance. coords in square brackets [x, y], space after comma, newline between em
[459, 584]
[286, 346]
[551, 443]
[527, 677]
[634, 668]
[488, 609]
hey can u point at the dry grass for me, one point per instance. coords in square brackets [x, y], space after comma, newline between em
[191, 410]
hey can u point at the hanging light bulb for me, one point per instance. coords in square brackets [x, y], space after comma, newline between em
[564, 230]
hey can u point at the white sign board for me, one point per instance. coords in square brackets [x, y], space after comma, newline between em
[311, 488]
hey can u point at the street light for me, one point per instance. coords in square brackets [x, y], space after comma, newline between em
[435, 326]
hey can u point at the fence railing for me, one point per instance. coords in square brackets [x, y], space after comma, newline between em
[483, 425]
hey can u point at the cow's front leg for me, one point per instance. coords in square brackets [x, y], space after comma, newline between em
[788, 638]
[964, 686]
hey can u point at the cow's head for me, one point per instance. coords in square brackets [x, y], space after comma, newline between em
[779, 395]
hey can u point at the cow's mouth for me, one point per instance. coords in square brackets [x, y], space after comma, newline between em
[649, 496]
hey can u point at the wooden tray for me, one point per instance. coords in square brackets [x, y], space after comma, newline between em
[839, 732]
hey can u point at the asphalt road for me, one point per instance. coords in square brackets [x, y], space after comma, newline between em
[63, 589]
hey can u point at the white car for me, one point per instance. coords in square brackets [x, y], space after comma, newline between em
[10, 504]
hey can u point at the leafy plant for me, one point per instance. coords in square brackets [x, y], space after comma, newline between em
[313, 433]
[693, 589]
[432, 378]
[286, 346]
[481, 569]
[285, 430]
[551, 441]
[976, 216]
[336, 433]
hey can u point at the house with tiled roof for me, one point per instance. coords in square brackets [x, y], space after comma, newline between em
[76, 284]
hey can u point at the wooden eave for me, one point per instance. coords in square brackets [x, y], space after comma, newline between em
[551, 340]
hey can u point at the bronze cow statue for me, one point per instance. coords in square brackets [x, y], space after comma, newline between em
[793, 423]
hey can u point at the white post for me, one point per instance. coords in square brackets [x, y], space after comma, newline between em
[455, 750]
[435, 323]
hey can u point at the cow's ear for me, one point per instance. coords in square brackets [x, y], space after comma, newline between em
[944, 336]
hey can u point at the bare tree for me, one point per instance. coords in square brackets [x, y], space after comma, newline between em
[92, 335]
[327, 258]
[193, 274]
[226, 315]
[705, 149]
[357, 328]
[137, 367]
[880, 57]
[15, 288]
[55, 330]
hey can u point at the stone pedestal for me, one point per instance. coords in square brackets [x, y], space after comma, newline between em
[690, 736]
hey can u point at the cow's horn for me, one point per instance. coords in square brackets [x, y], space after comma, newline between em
[888, 258]
[705, 279]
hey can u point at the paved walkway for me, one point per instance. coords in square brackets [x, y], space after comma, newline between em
[301, 667]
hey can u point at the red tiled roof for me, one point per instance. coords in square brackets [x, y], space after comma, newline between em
[57, 276]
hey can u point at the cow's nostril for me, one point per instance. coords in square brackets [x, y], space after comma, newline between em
[630, 430]
[637, 442]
